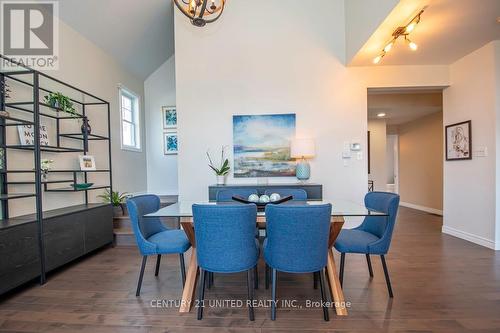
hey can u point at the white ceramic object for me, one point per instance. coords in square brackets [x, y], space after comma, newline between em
[253, 198]
[274, 197]
[264, 199]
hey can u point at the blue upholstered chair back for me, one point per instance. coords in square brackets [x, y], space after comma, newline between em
[297, 237]
[225, 237]
[296, 193]
[144, 227]
[226, 195]
[381, 227]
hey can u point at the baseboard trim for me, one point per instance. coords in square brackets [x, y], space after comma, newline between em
[422, 208]
[470, 237]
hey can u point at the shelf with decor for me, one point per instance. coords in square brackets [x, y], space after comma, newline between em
[26, 97]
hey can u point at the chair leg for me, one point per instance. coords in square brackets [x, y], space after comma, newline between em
[256, 277]
[267, 276]
[369, 262]
[315, 277]
[210, 278]
[387, 279]
[323, 295]
[250, 294]
[158, 259]
[201, 293]
[183, 269]
[273, 294]
[141, 274]
[341, 274]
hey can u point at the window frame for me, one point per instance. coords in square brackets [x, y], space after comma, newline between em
[136, 118]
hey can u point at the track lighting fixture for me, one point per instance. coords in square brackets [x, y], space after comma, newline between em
[403, 32]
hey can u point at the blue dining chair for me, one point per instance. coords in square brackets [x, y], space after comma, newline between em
[225, 243]
[227, 195]
[297, 242]
[296, 193]
[152, 237]
[373, 236]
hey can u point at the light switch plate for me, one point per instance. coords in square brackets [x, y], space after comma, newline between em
[480, 152]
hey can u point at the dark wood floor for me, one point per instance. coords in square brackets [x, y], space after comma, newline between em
[441, 284]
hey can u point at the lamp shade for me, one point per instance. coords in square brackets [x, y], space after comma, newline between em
[302, 148]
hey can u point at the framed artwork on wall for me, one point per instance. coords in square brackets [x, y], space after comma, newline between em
[261, 145]
[458, 141]
[169, 114]
[170, 143]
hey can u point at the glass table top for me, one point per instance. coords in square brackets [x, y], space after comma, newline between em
[339, 208]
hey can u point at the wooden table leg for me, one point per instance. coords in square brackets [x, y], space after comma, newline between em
[190, 285]
[192, 273]
[331, 268]
[335, 288]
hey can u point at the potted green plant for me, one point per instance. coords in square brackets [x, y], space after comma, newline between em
[116, 199]
[221, 170]
[61, 102]
[45, 165]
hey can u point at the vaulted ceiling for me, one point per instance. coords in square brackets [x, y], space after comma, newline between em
[138, 33]
[449, 30]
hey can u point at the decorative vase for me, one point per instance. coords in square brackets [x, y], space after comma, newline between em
[86, 128]
[117, 211]
[303, 170]
[44, 175]
[221, 180]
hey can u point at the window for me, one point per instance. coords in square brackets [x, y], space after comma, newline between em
[129, 113]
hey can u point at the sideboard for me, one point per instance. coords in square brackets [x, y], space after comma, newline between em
[314, 191]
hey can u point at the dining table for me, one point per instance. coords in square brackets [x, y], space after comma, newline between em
[341, 209]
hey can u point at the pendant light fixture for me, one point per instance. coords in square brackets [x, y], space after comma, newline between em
[402, 32]
[201, 12]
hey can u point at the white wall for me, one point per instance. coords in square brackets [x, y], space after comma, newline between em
[497, 198]
[86, 66]
[469, 186]
[378, 152]
[363, 17]
[159, 89]
[390, 157]
[258, 62]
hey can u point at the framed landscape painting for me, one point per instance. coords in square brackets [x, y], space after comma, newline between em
[459, 141]
[261, 145]
[169, 116]
[170, 143]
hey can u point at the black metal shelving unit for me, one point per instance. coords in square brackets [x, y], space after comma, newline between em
[35, 109]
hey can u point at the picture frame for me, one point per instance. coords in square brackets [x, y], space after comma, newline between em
[169, 115]
[458, 141]
[87, 163]
[170, 143]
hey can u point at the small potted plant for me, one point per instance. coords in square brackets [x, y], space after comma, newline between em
[116, 199]
[45, 165]
[61, 102]
[222, 170]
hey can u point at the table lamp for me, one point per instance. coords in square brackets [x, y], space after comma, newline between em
[302, 149]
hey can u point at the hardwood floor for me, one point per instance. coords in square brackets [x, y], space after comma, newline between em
[440, 283]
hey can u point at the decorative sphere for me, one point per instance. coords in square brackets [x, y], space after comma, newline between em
[253, 198]
[264, 199]
[275, 197]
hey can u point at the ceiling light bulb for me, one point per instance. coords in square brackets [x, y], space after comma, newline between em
[413, 46]
[377, 59]
[381, 114]
[410, 27]
[388, 47]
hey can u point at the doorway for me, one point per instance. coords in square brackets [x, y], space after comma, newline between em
[406, 145]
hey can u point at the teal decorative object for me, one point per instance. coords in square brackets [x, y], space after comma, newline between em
[82, 186]
[303, 170]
